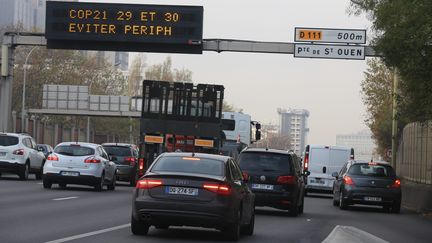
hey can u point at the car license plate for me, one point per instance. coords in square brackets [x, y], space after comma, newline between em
[317, 181]
[182, 191]
[2, 154]
[262, 186]
[373, 199]
[69, 173]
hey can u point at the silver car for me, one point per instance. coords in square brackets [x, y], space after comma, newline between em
[79, 163]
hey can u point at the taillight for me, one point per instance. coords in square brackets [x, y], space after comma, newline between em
[53, 157]
[92, 160]
[306, 162]
[148, 183]
[141, 164]
[218, 188]
[348, 180]
[287, 180]
[396, 184]
[130, 160]
[18, 152]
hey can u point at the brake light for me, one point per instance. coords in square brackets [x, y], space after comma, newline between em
[396, 184]
[18, 152]
[287, 180]
[148, 183]
[306, 162]
[53, 157]
[92, 160]
[141, 164]
[218, 188]
[130, 160]
[348, 180]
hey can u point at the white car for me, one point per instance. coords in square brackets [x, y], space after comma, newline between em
[79, 163]
[19, 155]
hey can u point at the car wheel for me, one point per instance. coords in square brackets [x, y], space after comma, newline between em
[396, 207]
[112, 185]
[138, 227]
[47, 184]
[232, 232]
[293, 211]
[335, 200]
[99, 184]
[133, 180]
[40, 173]
[301, 207]
[24, 172]
[342, 202]
[249, 228]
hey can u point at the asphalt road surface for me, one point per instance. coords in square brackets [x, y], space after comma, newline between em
[29, 213]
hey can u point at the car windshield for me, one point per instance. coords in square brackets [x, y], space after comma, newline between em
[378, 170]
[8, 140]
[118, 151]
[74, 150]
[192, 165]
[265, 162]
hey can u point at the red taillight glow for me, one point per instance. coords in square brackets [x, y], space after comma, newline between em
[396, 184]
[287, 180]
[148, 183]
[348, 180]
[217, 188]
[306, 162]
[92, 160]
[141, 164]
[130, 160]
[18, 152]
[53, 157]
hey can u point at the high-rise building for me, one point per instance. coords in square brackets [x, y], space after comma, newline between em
[361, 142]
[293, 123]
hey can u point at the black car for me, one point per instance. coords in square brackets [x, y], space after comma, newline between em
[45, 148]
[187, 189]
[275, 177]
[126, 157]
[367, 183]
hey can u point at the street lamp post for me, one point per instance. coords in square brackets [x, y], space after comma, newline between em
[24, 90]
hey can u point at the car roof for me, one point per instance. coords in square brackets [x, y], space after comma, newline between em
[367, 162]
[14, 134]
[266, 150]
[119, 144]
[93, 145]
[198, 155]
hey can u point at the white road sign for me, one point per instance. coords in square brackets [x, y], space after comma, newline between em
[351, 36]
[329, 51]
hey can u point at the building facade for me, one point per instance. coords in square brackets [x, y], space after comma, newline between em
[361, 142]
[294, 123]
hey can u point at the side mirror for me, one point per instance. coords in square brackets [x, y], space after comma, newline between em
[40, 149]
[257, 135]
[335, 175]
[306, 173]
[245, 177]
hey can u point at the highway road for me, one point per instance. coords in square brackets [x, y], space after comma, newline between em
[29, 213]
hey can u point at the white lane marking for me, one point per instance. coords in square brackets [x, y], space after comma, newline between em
[97, 232]
[351, 234]
[64, 198]
[39, 183]
[308, 220]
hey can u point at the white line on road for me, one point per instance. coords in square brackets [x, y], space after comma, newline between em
[39, 183]
[351, 234]
[64, 198]
[97, 232]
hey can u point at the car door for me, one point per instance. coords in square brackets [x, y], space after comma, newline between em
[338, 181]
[31, 153]
[242, 190]
[39, 155]
[108, 165]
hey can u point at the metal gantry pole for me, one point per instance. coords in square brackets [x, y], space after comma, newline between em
[24, 91]
[394, 118]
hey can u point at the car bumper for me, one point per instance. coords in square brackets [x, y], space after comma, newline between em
[199, 214]
[125, 173]
[78, 180]
[7, 166]
[275, 200]
[358, 195]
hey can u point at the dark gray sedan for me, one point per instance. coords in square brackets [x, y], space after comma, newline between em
[367, 183]
[186, 189]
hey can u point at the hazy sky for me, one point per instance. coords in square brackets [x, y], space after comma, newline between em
[261, 83]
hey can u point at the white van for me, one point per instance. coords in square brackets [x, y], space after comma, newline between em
[321, 161]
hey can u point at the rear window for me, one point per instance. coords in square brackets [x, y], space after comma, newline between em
[192, 165]
[118, 151]
[8, 140]
[73, 150]
[376, 170]
[265, 162]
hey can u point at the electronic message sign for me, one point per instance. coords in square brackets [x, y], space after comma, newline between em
[124, 27]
